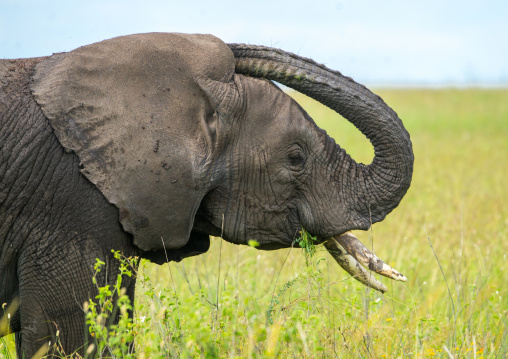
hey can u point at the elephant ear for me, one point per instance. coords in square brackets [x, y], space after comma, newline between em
[131, 110]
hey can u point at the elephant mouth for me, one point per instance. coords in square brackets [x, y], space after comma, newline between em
[356, 259]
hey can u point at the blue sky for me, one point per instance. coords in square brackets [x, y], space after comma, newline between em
[377, 42]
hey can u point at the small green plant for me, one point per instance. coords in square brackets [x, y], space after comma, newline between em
[252, 243]
[111, 302]
[307, 243]
[276, 300]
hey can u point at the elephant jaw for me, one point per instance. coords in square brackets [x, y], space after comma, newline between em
[353, 256]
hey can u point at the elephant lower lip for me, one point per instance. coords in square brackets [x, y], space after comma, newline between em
[353, 256]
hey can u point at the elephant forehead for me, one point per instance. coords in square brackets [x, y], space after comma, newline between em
[129, 108]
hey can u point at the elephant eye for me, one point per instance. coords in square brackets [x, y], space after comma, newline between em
[296, 159]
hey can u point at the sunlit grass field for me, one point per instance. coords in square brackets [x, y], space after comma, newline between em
[449, 237]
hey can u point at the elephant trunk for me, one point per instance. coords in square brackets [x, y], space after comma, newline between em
[374, 190]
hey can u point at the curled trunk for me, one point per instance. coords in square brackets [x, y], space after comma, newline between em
[375, 190]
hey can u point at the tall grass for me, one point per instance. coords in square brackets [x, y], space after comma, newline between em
[449, 237]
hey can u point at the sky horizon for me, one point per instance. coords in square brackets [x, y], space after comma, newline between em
[389, 43]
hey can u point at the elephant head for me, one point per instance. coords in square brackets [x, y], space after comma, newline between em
[189, 138]
[289, 174]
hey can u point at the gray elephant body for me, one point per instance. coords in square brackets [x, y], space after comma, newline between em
[150, 143]
[53, 222]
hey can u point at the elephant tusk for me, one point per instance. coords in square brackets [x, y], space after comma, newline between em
[366, 258]
[352, 266]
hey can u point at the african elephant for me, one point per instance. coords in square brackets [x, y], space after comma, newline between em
[150, 143]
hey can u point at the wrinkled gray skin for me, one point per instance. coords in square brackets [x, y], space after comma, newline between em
[251, 165]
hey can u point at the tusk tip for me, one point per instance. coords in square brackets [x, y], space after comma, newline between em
[382, 288]
[397, 276]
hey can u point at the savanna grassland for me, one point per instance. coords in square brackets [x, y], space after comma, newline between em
[449, 237]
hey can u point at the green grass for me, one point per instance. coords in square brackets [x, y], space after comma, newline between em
[449, 237]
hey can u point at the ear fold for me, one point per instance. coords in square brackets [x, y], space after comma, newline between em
[225, 97]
